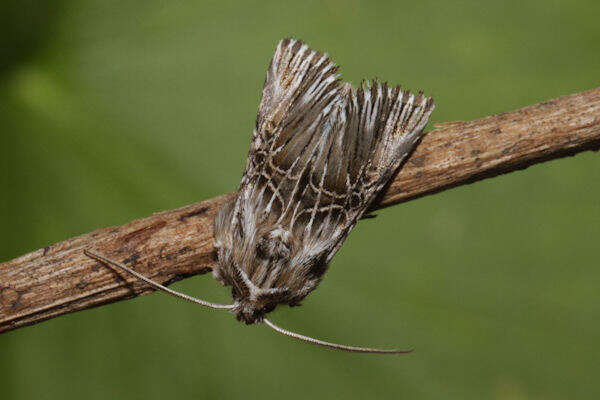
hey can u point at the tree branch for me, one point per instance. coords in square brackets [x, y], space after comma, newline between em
[173, 245]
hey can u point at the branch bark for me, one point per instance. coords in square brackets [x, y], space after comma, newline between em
[173, 245]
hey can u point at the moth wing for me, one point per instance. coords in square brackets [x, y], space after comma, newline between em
[300, 88]
[299, 84]
[321, 150]
[383, 125]
[370, 132]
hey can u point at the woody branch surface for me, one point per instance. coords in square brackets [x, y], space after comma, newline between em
[172, 245]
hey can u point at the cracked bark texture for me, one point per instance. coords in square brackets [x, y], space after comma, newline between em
[172, 245]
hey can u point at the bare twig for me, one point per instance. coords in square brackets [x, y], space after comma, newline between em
[172, 245]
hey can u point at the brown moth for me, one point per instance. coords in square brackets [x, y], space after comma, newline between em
[321, 151]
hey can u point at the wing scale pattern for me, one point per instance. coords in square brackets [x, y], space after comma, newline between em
[320, 153]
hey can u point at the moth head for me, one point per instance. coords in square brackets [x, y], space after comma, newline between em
[257, 262]
[251, 302]
[252, 311]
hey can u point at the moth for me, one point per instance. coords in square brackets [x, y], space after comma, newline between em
[320, 153]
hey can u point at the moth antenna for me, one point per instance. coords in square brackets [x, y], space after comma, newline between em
[334, 346]
[155, 285]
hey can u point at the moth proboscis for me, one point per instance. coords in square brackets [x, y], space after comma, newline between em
[321, 151]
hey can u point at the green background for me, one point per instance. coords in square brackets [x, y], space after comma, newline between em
[113, 110]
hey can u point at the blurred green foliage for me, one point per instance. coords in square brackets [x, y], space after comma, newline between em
[113, 110]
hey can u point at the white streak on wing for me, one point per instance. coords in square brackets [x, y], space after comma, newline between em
[411, 100]
[316, 87]
[318, 146]
[291, 44]
[297, 60]
[391, 121]
[302, 70]
[424, 117]
[413, 118]
[405, 110]
[377, 105]
[367, 104]
[339, 116]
